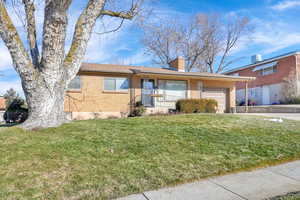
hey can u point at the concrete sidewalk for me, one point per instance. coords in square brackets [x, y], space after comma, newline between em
[254, 185]
[291, 116]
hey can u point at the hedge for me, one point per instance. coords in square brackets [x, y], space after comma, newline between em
[197, 106]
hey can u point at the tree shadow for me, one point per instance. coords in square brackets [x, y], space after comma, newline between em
[9, 125]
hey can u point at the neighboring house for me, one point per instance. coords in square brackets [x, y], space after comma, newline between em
[104, 90]
[274, 78]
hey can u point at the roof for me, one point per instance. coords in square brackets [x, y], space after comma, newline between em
[2, 103]
[263, 62]
[126, 69]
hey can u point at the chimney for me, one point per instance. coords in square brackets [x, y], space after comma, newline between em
[178, 64]
[256, 58]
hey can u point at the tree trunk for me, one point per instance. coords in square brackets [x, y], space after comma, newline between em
[44, 79]
[45, 104]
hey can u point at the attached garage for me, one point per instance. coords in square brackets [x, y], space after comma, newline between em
[219, 94]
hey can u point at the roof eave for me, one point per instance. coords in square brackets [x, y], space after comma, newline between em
[228, 78]
[262, 62]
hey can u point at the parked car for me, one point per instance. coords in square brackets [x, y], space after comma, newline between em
[16, 112]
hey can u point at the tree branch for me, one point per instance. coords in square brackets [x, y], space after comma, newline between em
[31, 31]
[124, 15]
[83, 30]
[113, 30]
[128, 15]
[82, 34]
[12, 40]
[54, 35]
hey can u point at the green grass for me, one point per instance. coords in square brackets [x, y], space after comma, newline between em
[100, 159]
[291, 196]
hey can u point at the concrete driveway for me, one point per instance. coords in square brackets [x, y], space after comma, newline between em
[291, 116]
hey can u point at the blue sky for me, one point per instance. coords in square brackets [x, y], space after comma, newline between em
[277, 31]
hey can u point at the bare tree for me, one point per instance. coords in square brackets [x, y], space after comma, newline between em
[290, 87]
[167, 39]
[202, 41]
[223, 37]
[46, 72]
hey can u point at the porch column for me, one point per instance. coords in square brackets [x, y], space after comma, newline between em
[246, 96]
[132, 93]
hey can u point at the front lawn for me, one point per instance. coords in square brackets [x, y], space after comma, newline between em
[100, 159]
[291, 196]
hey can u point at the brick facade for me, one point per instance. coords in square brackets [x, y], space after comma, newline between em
[286, 68]
[92, 101]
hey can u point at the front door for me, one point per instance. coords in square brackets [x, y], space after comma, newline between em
[147, 92]
[265, 95]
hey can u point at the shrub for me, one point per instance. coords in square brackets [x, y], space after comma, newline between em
[292, 100]
[197, 106]
[139, 110]
[251, 102]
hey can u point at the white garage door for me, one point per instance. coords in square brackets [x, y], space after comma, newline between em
[219, 94]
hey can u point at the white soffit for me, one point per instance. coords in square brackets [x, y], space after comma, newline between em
[265, 66]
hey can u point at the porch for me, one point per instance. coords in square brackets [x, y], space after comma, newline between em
[160, 95]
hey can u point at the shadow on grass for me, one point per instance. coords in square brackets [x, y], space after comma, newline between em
[9, 125]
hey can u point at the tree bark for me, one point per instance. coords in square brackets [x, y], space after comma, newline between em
[45, 104]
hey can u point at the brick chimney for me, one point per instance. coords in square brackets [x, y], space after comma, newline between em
[178, 64]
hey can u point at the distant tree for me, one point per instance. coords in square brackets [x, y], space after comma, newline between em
[200, 40]
[10, 96]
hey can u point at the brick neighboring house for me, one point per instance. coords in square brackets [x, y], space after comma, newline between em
[104, 90]
[271, 74]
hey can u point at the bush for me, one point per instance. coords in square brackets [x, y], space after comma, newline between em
[197, 106]
[16, 112]
[251, 102]
[294, 100]
[139, 110]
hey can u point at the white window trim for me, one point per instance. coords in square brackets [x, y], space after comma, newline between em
[269, 69]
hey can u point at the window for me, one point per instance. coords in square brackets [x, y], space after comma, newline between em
[269, 70]
[235, 74]
[116, 84]
[75, 84]
[173, 90]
